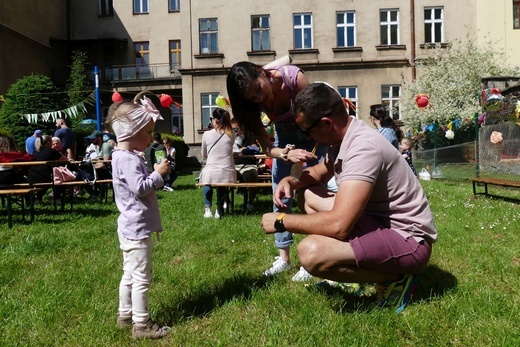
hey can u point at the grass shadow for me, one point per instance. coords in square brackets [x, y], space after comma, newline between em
[202, 303]
[434, 283]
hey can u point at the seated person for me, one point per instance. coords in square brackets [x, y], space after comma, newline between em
[94, 152]
[247, 170]
[9, 153]
[43, 174]
[170, 155]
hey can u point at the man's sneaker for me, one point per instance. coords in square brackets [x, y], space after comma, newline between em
[397, 294]
[217, 215]
[279, 265]
[168, 189]
[149, 330]
[124, 322]
[302, 275]
[208, 214]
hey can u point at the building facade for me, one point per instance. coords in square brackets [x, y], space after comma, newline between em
[185, 48]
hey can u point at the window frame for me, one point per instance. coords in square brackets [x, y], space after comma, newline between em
[175, 53]
[432, 22]
[392, 102]
[299, 30]
[389, 26]
[174, 5]
[516, 14]
[140, 6]
[344, 91]
[209, 108]
[142, 53]
[345, 28]
[209, 34]
[262, 32]
[105, 8]
[177, 119]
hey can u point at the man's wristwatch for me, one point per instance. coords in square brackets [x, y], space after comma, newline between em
[278, 223]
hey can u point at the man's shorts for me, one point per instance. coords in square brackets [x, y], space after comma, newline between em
[382, 249]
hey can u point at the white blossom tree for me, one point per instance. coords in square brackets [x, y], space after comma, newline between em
[451, 77]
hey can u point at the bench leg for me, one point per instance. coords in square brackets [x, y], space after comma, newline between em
[9, 212]
[220, 208]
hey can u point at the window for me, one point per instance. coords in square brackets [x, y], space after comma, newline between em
[433, 25]
[174, 5]
[350, 93]
[105, 8]
[260, 33]
[391, 96]
[177, 120]
[516, 14]
[208, 105]
[302, 31]
[389, 27]
[346, 29]
[208, 29]
[142, 53]
[140, 6]
[175, 55]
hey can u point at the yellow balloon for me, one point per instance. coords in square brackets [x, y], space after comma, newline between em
[221, 101]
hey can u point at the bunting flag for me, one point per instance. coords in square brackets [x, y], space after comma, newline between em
[70, 112]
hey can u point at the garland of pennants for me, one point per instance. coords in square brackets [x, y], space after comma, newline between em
[69, 112]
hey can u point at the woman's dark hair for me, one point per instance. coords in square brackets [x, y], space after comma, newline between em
[223, 121]
[247, 113]
[380, 112]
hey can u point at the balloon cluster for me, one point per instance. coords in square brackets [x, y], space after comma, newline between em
[165, 99]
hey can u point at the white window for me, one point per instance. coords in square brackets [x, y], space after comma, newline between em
[350, 92]
[261, 33]
[346, 29]
[389, 27]
[391, 97]
[302, 31]
[140, 6]
[433, 25]
[105, 8]
[208, 105]
[174, 5]
[208, 33]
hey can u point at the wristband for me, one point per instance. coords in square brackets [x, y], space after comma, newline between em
[278, 223]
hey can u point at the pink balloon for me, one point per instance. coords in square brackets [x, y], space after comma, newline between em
[116, 97]
[166, 100]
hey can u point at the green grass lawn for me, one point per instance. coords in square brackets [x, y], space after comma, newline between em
[59, 280]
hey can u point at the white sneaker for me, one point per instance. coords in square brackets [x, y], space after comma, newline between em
[208, 214]
[168, 189]
[279, 265]
[302, 275]
[217, 216]
[224, 205]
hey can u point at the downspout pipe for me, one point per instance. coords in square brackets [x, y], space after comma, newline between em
[412, 38]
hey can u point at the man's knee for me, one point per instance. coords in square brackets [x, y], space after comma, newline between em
[309, 252]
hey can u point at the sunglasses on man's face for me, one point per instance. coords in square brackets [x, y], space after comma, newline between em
[307, 132]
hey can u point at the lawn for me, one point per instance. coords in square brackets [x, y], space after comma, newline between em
[59, 280]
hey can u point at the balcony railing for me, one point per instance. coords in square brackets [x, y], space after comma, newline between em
[138, 72]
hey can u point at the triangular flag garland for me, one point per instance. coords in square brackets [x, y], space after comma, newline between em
[70, 112]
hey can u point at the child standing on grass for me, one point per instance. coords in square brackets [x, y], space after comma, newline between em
[406, 152]
[135, 196]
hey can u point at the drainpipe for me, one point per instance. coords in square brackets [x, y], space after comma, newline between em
[412, 38]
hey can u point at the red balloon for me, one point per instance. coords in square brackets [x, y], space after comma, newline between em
[166, 100]
[423, 102]
[116, 97]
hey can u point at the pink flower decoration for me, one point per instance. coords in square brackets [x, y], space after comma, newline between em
[496, 137]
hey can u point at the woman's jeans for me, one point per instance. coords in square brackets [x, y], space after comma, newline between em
[290, 133]
[207, 191]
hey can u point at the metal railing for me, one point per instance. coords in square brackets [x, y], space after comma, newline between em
[138, 72]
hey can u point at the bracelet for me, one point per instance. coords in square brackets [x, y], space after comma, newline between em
[285, 152]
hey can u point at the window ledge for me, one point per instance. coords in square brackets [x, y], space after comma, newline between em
[434, 45]
[208, 55]
[347, 49]
[391, 47]
[260, 53]
[304, 51]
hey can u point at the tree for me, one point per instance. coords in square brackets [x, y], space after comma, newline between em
[78, 85]
[29, 95]
[452, 80]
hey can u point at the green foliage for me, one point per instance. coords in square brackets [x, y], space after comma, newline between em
[452, 79]
[465, 133]
[31, 94]
[78, 85]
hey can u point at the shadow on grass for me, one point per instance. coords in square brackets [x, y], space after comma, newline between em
[434, 283]
[202, 303]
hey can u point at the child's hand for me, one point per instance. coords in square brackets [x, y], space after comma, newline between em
[163, 167]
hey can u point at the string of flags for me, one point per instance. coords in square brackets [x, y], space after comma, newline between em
[69, 112]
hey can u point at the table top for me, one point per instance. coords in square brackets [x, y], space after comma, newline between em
[47, 163]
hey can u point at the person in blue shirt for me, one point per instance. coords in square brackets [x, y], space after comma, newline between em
[30, 142]
[386, 126]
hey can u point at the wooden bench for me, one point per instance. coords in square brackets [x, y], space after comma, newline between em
[493, 181]
[17, 196]
[69, 191]
[232, 187]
